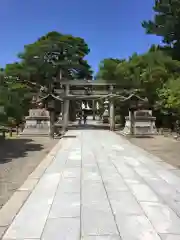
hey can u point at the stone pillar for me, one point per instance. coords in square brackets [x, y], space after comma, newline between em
[66, 110]
[94, 109]
[112, 111]
[62, 110]
[132, 121]
[112, 115]
[51, 107]
[52, 121]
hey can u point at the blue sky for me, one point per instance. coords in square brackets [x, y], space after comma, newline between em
[112, 28]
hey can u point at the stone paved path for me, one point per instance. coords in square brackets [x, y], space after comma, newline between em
[99, 186]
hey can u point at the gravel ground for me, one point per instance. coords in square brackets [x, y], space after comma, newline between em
[166, 148]
[18, 158]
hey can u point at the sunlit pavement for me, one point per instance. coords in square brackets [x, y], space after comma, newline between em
[99, 186]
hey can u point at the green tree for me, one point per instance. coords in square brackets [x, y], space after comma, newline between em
[169, 96]
[52, 57]
[107, 69]
[15, 97]
[56, 55]
[166, 24]
[148, 72]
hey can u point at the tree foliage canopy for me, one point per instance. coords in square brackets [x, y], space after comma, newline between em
[166, 24]
[150, 72]
[52, 57]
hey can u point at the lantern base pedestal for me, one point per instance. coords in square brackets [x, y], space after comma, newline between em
[144, 124]
[37, 123]
[105, 116]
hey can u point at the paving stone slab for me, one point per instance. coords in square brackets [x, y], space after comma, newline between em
[65, 205]
[38, 172]
[69, 185]
[58, 164]
[166, 166]
[167, 193]
[176, 172]
[97, 222]
[74, 156]
[72, 164]
[101, 206]
[92, 167]
[124, 203]
[169, 237]
[62, 228]
[12, 207]
[146, 174]
[162, 217]
[164, 189]
[170, 178]
[91, 176]
[71, 173]
[114, 184]
[143, 193]
[128, 173]
[93, 192]
[134, 227]
[107, 168]
[30, 221]
[101, 238]
[131, 161]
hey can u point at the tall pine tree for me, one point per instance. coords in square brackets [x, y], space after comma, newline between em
[166, 23]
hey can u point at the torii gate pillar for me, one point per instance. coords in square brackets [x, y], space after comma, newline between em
[112, 116]
[66, 110]
[94, 109]
[112, 112]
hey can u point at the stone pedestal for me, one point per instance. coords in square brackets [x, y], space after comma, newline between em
[105, 116]
[37, 123]
[143, 124]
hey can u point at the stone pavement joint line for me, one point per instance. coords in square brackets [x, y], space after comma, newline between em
[100, 186]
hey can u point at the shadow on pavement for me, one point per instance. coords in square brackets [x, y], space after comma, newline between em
[141, 136]
[16, 148]
[87, 127]
[69, 136]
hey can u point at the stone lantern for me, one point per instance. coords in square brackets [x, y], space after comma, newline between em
[105, 115]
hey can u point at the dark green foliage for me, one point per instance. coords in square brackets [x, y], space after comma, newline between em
[47, 60]
[166, 24]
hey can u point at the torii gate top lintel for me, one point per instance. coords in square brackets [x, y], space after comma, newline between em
[89, 83]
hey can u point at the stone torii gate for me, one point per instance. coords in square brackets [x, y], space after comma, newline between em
[94, 90]
[86, 90]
